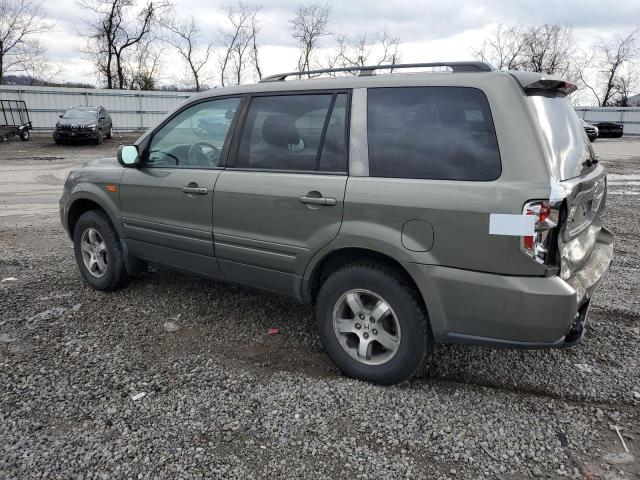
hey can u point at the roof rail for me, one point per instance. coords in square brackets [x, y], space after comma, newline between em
[370, 69]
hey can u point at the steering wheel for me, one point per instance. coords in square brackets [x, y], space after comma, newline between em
[198, 157]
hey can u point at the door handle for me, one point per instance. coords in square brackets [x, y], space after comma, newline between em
[326, 201]
[196, 190]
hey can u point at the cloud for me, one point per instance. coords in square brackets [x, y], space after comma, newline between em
[429, 29]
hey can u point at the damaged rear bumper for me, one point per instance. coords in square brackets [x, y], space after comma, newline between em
[479, 308]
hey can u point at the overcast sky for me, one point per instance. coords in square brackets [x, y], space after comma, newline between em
[430, 30]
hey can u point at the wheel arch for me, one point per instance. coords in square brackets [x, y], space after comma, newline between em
[335, 259]
[84, 201]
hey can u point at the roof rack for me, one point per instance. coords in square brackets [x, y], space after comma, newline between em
[370, 69]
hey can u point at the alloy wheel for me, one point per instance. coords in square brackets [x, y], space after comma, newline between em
[366, 327]
[94, 252]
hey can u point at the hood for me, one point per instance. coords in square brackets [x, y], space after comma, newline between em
[110, 162]
[76, 121]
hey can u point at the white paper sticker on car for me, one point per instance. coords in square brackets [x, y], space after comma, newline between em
[507, 224]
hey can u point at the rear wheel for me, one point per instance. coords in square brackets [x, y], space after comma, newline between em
[24, 134]
[110, 133]
[98, 251]
[372, 325]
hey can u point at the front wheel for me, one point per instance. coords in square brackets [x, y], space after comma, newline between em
[372, 325]
[99, 137]
[98, 251]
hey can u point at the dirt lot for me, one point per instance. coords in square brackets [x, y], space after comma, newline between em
[222, 399]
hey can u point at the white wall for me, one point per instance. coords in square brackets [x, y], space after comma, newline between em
[130, 110]
[138, 110]
[628, 116]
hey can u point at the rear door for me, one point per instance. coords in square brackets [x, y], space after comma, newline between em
[167, 203]
[281, 197]
[580, 180]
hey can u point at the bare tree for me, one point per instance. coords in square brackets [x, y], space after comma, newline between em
[35, 66]
[144, 66]
[184, 35]
[20, 22]
[615, 72]
[384, 49]
[116, 34]
[546, 48]
[240, 43]
[503, 48]
[308, 26]
[549, 48]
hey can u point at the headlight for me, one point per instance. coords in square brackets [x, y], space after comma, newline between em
[92, 126]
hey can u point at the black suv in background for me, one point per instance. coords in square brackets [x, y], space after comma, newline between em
[83, 123]
[610, 129]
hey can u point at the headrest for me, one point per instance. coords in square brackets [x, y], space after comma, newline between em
[280, 130]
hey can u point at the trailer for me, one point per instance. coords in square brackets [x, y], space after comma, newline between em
[14, 120]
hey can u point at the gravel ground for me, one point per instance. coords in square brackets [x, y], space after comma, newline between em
[176, 377]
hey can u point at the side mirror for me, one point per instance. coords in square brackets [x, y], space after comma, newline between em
[60, 115]
[128, 156]
[102, 118]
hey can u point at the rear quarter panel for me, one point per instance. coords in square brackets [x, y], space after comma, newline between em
[458, 211]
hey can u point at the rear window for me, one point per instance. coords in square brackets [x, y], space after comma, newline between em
[443, 133]
[568, 143]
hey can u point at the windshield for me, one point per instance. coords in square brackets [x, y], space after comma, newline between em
[80, 114]
[569, 145]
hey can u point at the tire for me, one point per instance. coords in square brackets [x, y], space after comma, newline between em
[99, 137]
[373, 282]
[114, 274]
[24, 135]
[110, 133]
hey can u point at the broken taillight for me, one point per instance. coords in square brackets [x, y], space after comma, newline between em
[538, 246]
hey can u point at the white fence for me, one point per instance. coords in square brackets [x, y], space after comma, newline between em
[130, 110]
[628, 116]
[133, 110]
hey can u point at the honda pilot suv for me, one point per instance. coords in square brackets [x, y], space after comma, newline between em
[409, 208]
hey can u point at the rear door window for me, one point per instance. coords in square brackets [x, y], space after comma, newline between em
[305, 132]
[442, 133]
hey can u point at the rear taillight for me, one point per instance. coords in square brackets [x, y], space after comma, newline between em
[539, 246]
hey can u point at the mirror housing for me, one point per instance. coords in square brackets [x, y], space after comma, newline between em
[128, 156]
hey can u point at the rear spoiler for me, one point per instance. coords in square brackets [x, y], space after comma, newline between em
[533, 83]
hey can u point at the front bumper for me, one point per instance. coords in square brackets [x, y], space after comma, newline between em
[63, 207]
[75, 135]
[509, 311]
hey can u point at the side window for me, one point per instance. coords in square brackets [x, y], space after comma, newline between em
[443, 133]
[334, 147]
[195, 137]
[286, 132]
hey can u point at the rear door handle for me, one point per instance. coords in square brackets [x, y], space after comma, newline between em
[196, 190]
[327, 201]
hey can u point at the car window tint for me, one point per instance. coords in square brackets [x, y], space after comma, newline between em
[444, 133]
[195, 137]
[334, 148]
[283, 132]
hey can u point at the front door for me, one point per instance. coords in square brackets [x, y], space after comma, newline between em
[281, 197]
[167, 203]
